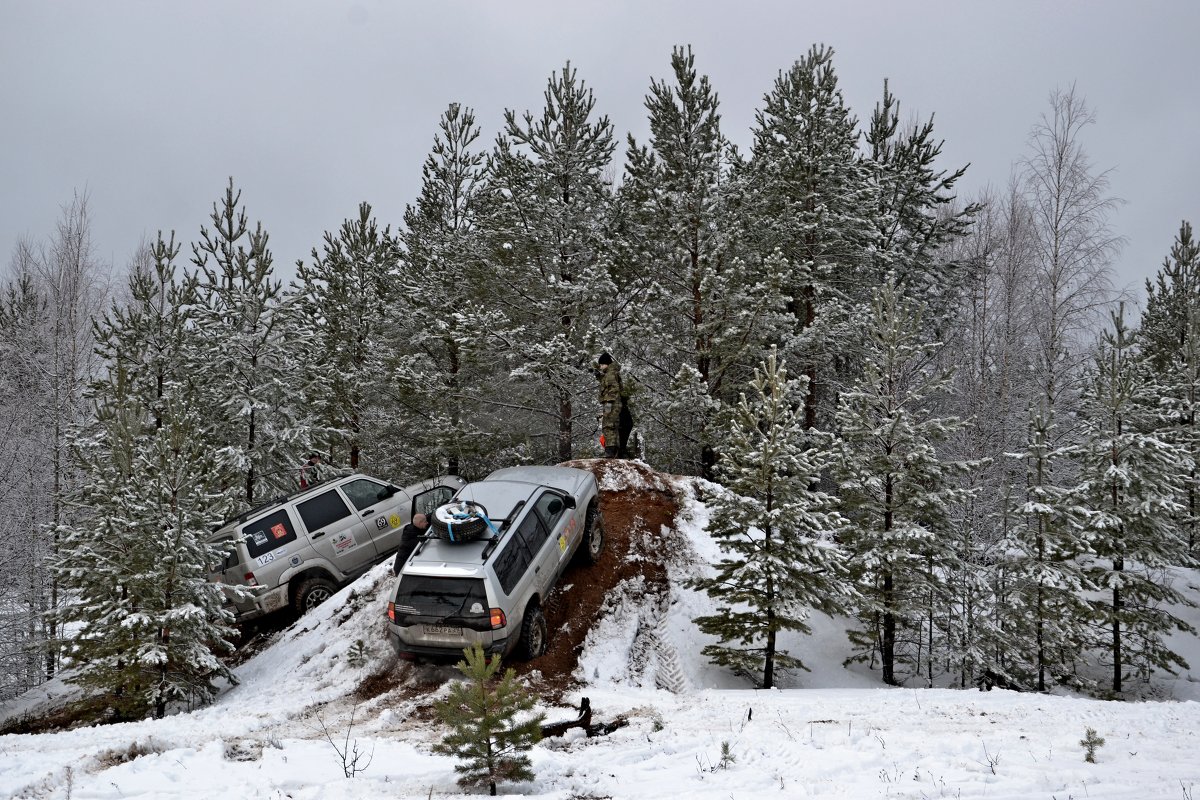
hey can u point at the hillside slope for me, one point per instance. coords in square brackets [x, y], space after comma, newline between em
[622, 636]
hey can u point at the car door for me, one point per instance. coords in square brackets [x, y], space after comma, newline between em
[336, 532]
[382, 508]
[533, 532]
[560, 524]
[425, 502]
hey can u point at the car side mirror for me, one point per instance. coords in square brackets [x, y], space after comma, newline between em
[568, 501]
[388, 491]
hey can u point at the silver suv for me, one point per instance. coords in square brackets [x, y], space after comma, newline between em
[493, 555]
[297, 550]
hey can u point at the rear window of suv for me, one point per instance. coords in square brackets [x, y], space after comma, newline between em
[427, 596]
[266, 534]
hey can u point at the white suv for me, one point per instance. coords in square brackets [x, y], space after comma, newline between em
[297, 550]
[493, 555]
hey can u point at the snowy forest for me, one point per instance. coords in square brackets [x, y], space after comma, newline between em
[934, 416]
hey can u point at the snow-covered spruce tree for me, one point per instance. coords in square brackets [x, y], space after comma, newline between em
[1128, 498]
[135, 566]
[691, 333]
[1043, 616]
[542, 218]
[343, 298]
[256, 394]
[491, 731]
[775, 528]
[809, 196]
[438, 372]
[897, 492]
[1170, 341]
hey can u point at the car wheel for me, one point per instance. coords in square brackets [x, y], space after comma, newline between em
[592, 545]
[533, 634]
[458, 522]
[312, 593]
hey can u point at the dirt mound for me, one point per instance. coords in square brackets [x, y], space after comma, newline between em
[639, 509]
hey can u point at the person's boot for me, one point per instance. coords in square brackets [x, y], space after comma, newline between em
[610, 452]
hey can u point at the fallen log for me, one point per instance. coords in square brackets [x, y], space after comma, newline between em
[584, 721]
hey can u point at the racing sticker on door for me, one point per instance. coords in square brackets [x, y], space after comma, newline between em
[394, 520]
[343, 542]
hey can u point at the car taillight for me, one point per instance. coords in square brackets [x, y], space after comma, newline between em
[392, 611]
[250, 580]
[498, 619]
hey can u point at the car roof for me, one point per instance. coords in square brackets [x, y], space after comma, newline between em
[567, 479]
[453, 559]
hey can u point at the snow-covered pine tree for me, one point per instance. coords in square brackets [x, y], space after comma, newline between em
[490, 730]
[543, 219]
[1128, 497]
[254, 388]
[809, 196]
[776, 529]
[343, 298]
[697, 328]
[897, 491]
[914, 220]
[439, 373]
[1170, 341]
[136, 565]
[1043, 627]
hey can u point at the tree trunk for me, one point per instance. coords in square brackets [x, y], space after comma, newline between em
[564, 426]
[888, 644]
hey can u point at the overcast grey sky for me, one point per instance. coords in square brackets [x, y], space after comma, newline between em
[313, 107]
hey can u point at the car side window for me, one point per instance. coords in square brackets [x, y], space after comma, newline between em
[426, 502]
[363, 493]
[511, 564]
[550, 508]
[266, 534]
[324, 509]
[532, 531]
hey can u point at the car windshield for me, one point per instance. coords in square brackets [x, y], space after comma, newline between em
[440, 597]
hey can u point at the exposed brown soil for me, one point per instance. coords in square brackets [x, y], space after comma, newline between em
[634, 520]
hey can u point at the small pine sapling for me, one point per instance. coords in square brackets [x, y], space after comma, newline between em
[1090, 742]
[727, 756]
[359, 654]
[485, 733]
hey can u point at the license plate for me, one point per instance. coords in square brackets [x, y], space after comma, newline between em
[443, 630]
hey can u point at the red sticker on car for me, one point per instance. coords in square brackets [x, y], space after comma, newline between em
[279, 530]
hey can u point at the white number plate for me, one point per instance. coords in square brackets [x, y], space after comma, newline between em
[443, 630]
[264, 559]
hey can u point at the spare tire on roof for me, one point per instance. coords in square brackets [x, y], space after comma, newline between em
[462, 521]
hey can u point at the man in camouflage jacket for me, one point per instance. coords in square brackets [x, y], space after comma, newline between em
[609, 373]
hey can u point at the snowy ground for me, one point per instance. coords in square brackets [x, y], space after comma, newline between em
[836, 734]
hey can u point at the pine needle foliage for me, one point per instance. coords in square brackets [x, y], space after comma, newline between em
[1128, 500]
[485, 733]
[776, 529]
[136, 564]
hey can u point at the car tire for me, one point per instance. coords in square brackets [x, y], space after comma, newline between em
[311, 593]
[592, 546]
[533, 634]
[466, 531]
